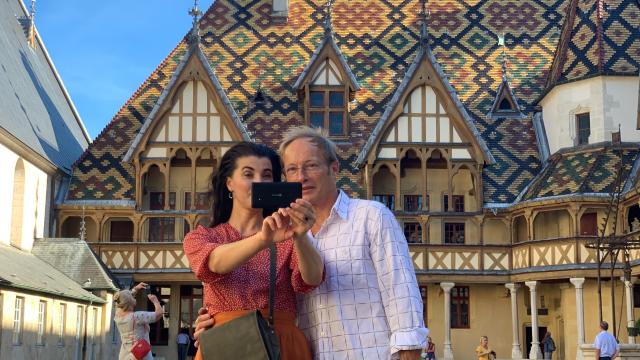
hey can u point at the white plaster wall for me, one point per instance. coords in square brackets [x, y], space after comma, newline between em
[610, 100]
[36, 199]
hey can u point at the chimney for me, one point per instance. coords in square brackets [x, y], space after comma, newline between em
[279, 11]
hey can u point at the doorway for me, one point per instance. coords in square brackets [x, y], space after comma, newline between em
[528, 338]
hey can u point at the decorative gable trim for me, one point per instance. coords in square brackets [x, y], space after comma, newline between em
[324, 50]
[503, 94]
[194, 52]
[426, 55]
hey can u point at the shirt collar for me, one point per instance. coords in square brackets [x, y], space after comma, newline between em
[341, 206]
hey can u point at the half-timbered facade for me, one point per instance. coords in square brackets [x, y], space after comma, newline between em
[486, 127]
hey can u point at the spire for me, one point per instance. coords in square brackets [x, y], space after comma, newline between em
[327, 18]
[194, 36]
[424, 15]
[32, 24]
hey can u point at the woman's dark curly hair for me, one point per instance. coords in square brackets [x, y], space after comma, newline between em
[221, 203]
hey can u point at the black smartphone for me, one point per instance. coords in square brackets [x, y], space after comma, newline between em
[274, 195]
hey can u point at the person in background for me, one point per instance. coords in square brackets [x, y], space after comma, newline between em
[183, 341]
[134, 325]
[607, 348]
[429, 351]
[483, 351]
[548, 346]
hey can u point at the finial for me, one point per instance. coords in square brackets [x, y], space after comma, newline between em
[83, 227]
[32, 25]
[327, 17]
[195, 12]
[424, 34]
[501, 42]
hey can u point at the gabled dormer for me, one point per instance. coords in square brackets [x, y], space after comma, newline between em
[191, 125]
[505, 105]
[326, 85]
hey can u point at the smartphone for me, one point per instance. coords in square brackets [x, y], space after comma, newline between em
[274, 195]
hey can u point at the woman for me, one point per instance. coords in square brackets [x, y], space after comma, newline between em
[483, 351]
[231, 257]
[429, 351]
[134, 325]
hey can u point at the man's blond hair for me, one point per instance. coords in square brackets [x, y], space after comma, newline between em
[317, 136]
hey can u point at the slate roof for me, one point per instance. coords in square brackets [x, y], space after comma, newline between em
[34, 105]
[379, 40]
[22, 270]
[590, 169]
[74, 258]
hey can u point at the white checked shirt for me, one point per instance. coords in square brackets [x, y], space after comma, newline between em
[369, 306]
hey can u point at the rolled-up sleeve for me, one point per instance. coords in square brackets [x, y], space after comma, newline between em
[297, 282]
[398, 285]
[198, 245]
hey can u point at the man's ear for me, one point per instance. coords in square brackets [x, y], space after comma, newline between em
[335, 167]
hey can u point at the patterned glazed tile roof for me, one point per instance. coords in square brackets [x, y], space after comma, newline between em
[583, 170]
[600, 37]
[379, 40]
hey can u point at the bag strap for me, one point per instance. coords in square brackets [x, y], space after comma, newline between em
[272, 280]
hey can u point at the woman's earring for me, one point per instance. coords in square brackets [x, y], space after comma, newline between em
[230, 195]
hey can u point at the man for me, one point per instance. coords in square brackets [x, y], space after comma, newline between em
[183, 340]
[369, 306]
[607, 348]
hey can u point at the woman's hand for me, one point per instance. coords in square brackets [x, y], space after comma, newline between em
[140, 286]
[276, 228]
[302, 215]
[153, 299]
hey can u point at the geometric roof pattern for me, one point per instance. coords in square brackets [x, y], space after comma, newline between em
[583, 170]
[379, 40]
[600, 37]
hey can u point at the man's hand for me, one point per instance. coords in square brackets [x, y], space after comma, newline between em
[409, 354]
[203, 322]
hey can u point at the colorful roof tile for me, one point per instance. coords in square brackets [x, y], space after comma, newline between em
[600, 37]
[378, 39]
[589, 169]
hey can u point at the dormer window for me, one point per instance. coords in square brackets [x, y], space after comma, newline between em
[327, 105]
[325, 87]
[327, 109]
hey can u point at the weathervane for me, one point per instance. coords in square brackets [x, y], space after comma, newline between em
[424, 15]
[195, 31]
[327, 17]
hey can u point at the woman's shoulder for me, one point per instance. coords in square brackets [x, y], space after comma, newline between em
[218, 232]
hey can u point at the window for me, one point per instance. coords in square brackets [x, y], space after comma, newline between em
[458, 203]
[162, 229]
[190, 302]
[327, 109]
[42, 318]
[460, 307]
[388, 200]
[78, 335]
[413, 232]
[156, 201]
[584, 128]
[62, 322]
[18, 318]
[589, 224]
[202, 200]
[121, 231]
[159, 332]
[454, 233]
[94, 327]
[412, 202]
[423, 294]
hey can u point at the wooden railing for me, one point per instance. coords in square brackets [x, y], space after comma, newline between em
[426, 257]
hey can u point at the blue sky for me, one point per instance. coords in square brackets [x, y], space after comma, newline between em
[104, 50]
